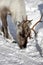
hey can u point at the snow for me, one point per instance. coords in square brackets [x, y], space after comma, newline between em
[11, 54]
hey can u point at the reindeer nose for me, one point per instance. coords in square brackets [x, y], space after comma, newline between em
[22, 47]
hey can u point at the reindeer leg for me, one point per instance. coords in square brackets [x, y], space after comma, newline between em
[6, 32]
[4, 25]
[2, 28]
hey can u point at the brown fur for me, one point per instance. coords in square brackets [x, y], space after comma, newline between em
[24, 34]
[4, 13]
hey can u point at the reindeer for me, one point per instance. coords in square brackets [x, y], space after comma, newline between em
[24, 27]
[25, 32]
[16, 8]
[3, 14]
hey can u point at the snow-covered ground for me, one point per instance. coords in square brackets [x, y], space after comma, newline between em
[11, 54]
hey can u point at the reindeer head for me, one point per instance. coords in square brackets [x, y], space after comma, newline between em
[24, 32]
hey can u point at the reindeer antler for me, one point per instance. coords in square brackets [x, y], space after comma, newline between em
[36, 23]
[27, 19]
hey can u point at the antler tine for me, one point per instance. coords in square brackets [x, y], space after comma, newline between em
[26, 17]
[37, 22]
[22, 18]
